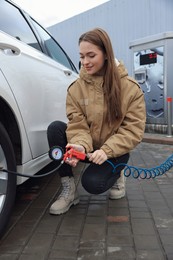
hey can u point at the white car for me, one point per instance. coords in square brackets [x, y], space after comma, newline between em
[34, 75]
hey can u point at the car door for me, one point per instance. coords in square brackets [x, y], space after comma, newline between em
[38, 82]
[39, 86]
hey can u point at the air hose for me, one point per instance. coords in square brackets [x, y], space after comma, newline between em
[145, 173]
[56, 153]
[32, 176]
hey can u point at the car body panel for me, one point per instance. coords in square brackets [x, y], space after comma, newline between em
[7, 95]
[39, 87]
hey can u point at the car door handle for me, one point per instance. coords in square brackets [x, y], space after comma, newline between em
[9, 49]
[67, 72]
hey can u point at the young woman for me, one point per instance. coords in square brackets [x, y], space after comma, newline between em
[106, 119]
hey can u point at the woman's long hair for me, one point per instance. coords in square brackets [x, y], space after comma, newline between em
[112, 84]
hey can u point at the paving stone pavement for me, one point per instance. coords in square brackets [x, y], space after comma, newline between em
[138, 226]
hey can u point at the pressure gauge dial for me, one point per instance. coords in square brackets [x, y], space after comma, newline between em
[56, 153]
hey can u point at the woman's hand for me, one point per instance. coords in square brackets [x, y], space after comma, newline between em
[73, 161]
[98, 157]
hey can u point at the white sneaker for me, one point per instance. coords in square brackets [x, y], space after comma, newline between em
[67, 198]
[118, 190]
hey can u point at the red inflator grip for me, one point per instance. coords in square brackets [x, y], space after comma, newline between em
[70, 152]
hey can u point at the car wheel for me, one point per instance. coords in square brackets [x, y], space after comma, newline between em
[7, 181]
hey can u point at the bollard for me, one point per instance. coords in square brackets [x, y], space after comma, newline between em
[169, 102]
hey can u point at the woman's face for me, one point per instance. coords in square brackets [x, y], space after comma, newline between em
[92, 58]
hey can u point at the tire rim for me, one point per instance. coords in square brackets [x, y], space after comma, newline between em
[3, 179]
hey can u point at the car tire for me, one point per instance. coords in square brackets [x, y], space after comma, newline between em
[7, 180]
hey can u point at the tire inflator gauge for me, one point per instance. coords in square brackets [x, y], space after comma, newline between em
[56, 153]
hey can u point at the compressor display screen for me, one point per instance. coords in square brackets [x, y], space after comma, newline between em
[148, 58]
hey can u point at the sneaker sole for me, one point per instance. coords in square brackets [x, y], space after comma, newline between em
[117, 197]
[64, 210]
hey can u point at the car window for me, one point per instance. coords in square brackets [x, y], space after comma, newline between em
[53, 49]
[13, 23]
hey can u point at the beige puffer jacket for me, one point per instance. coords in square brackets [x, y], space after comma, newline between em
[86, 112]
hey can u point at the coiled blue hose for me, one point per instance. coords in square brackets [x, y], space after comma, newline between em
[145, 173]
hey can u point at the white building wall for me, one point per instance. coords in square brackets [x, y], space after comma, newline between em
[124, 20]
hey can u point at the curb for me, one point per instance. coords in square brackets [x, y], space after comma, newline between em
[157, 139]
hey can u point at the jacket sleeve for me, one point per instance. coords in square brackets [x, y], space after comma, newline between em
[78, 131]
[132, 127]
